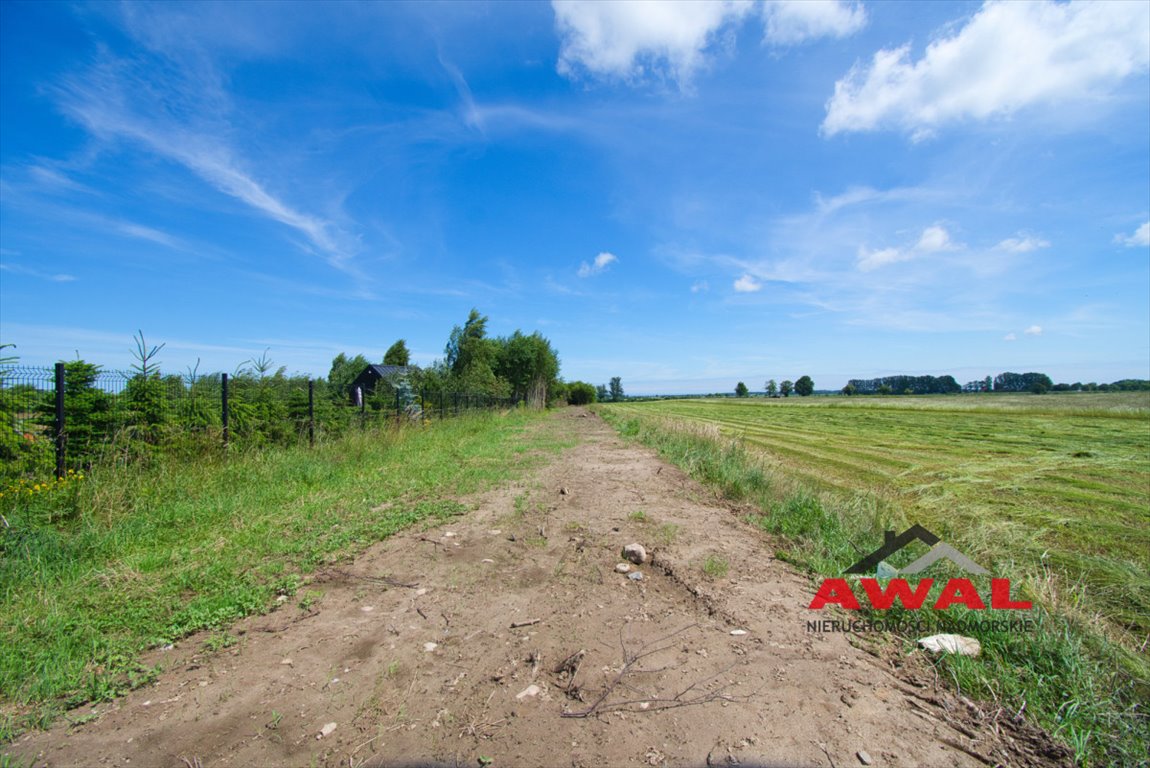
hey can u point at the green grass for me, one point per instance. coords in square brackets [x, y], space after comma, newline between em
[1053, 492]
[144, 555]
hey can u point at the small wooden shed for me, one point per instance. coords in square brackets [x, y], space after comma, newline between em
[365, 383]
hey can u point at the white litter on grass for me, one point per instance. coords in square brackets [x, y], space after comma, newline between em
[737, 632]
[429, 647]
[327, 730]
[368, 608]
[960, 644]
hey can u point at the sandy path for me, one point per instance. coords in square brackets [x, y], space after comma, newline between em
[544, 551]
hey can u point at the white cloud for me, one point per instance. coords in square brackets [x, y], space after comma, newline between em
[1141, 237]
[1009, 56]
[630, 40]
[1009, 337]
[1034, 330]
[934, 239]
[1022, 244]
[701, 286]
[748, 284]
[795, 21]
[602, 261]
[869, 259]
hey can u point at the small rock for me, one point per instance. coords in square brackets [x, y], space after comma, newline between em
[622, 568]
[287, 662]
[488, 560]
[863, 757]
[562, 491]
[368, 608]
[327, 730]
[738, 632]
[429, 647]
[449, 534]
[636, 553]
[281, 599]
[960, 644]
[636, 576]
[530, 691]
[421, 592]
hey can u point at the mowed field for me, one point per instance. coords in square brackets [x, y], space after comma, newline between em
[1055, 487]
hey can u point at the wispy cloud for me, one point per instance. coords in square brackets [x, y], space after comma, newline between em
[1034, 330]
[16, 269]
[1022, 244]
[1010, 337]
[700, 286]
[1008, 57]
[182, 116]
[1141, 237]
[601, 262]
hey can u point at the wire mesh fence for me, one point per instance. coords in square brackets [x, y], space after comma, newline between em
[70, 415]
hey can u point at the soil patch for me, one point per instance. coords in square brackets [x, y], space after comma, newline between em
[508, 637]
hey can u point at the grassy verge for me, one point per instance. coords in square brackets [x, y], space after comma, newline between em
[1068, 676]
[95, 570]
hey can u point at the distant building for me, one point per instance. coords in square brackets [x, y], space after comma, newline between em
[365, 383]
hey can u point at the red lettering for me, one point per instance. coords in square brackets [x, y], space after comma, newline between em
[898, 589]
[835, 591]
[961, 592]
[1000, 597]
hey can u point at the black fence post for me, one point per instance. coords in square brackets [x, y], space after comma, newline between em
[311, 413]
[61, 438]
[224, 405]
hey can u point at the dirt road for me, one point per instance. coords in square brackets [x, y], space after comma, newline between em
[507, 637]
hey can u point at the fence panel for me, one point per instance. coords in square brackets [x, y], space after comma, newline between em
[120, 411]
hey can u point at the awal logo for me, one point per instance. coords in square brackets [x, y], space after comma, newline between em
[958, 591]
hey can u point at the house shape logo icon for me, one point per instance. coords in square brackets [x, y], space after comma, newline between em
[938, 550]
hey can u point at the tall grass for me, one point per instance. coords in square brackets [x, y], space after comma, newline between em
[1068, 676]
[139, 555]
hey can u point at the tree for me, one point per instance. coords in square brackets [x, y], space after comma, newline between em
[601, 394]
[849, 390]
[804, 386]
[616, 389]
[397, 354]
[884, 389]
[472, 357]
[786, 388]
[144, 392]
[772, 388]
[88, 409]
[343, 372]
[741, 390]
[580, 393]
[529, 365]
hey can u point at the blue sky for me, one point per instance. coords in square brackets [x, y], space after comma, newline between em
[683, 195]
